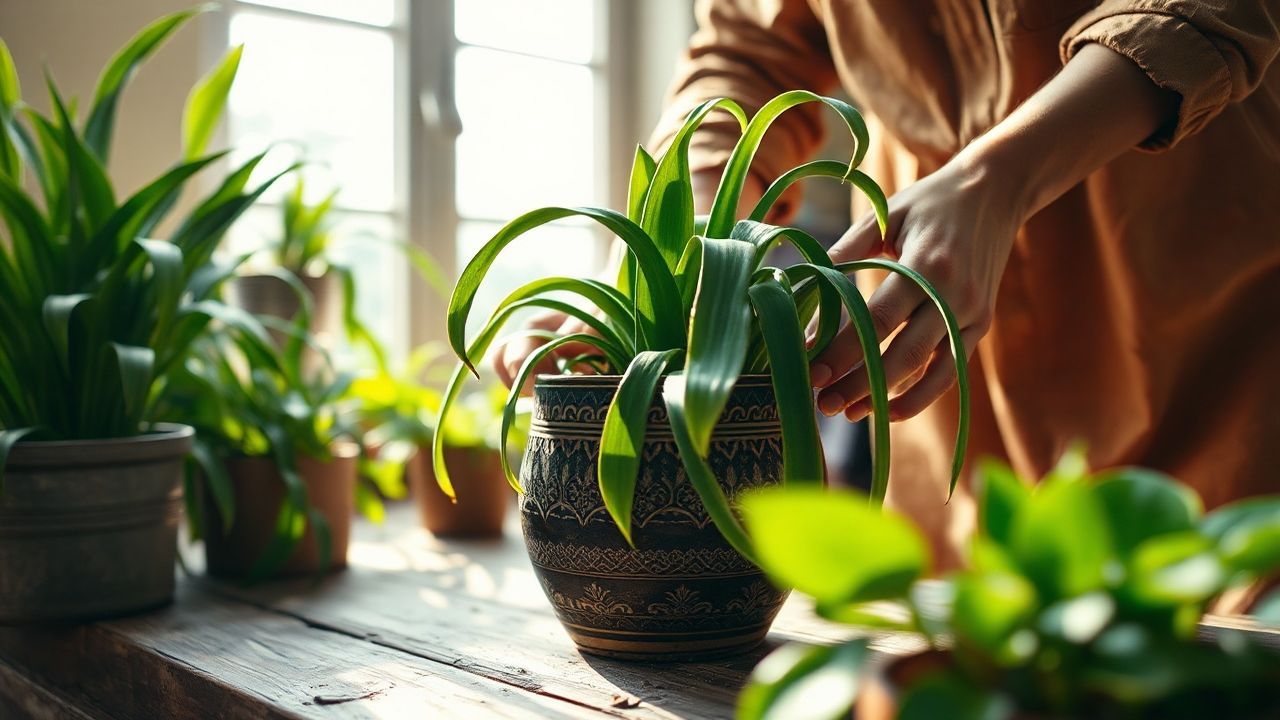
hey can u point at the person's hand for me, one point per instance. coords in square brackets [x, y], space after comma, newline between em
[508, 357]
[956, 227]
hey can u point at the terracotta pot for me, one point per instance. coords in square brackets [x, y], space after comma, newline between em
[88, 528]
[259, 492]
[682, 592]
[483, 493]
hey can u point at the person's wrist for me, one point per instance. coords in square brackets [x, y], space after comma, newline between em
[997, 170]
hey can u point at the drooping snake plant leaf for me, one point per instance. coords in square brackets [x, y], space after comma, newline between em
[825, 168]
[661, 319]
[717, 335]
[668, 206]
[725, 207]
[958, 354]
[622, 439]
[775, 309]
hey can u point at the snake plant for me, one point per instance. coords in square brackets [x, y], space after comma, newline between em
[94, 313]
[695, 306]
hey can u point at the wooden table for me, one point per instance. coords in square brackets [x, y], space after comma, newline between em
[415, 628]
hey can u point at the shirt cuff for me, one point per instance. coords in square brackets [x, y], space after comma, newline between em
[1171, 51]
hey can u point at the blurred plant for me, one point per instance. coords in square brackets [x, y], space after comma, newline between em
[94, 315]
[304, 242]
[1082, 600]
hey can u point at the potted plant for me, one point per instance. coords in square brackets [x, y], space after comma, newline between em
[629, 476]
[400, 413]
[277, 452]
[1081, 601]
[94, 318]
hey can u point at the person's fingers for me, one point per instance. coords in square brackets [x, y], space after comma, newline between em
[890, 306]
[939, 378]
[862, 240]
[907, 355]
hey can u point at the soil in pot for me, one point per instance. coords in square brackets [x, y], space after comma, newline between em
[259, 491]
[483, 493]
[88, 529]
[682, 593]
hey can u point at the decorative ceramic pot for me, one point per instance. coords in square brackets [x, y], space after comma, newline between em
[682, 592]
[483, 493]
[259, 491]
[88, 528]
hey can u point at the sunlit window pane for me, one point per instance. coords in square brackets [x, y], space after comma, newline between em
[326, 93]
[527, 134]
[372, 12]
[557, 249]
[562, 29]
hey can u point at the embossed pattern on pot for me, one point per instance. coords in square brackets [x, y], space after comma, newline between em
[682, 592]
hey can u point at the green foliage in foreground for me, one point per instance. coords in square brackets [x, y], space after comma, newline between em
[95, 315]
[694, 307]
[1081, 600]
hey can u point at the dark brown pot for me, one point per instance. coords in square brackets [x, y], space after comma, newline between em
[682, 592]
[88, 528]
[259, 492]
[483, 493]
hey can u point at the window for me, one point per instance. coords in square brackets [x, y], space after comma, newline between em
[438, 125]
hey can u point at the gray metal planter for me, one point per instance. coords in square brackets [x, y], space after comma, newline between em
[88, 529]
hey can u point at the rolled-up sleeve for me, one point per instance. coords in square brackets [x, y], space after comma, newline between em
[750, 51]
[1209, 52]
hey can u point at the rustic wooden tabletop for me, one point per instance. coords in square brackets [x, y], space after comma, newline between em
[416, 627]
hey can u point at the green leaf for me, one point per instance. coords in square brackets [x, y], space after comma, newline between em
[831, 169]
[1141, 504]
[661, 317]
[1001, 496]
[700, 475]
[991, 611]
[803, 462]
[135, 365]
[9, 438]
[58, 312]
[668, 207]
[522, 376]
[206, 102]
[958, 354]
[833, 545]
[1248, 533]
[622, 438]
[10, 96]
[805, 682]
[102, 115]
[1061, 541]
[1176, 569]
[725, 207]
[1077, 620]
[642, 170]
[216, 482]
[717, 335]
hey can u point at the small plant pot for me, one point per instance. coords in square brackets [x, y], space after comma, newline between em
[259, 492]
[682, 593]
[483, 493]
[88, 528]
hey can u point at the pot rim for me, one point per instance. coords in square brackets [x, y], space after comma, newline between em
[574, 379]
[165, 441]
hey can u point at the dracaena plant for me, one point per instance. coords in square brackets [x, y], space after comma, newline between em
[1081, 599]
[695, 303]
[94, 312]
[306, 231]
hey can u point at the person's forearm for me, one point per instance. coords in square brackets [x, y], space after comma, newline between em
[1100, 105]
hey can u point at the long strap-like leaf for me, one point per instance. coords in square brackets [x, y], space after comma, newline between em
[784, 339]
[622, 439]
[958, 353]
[9, 438]
[725, 207]
[717, 334]
[661, 319]
[699, 472]
[825, 168]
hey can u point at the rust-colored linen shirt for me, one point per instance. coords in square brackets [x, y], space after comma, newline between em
[1140, 312]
